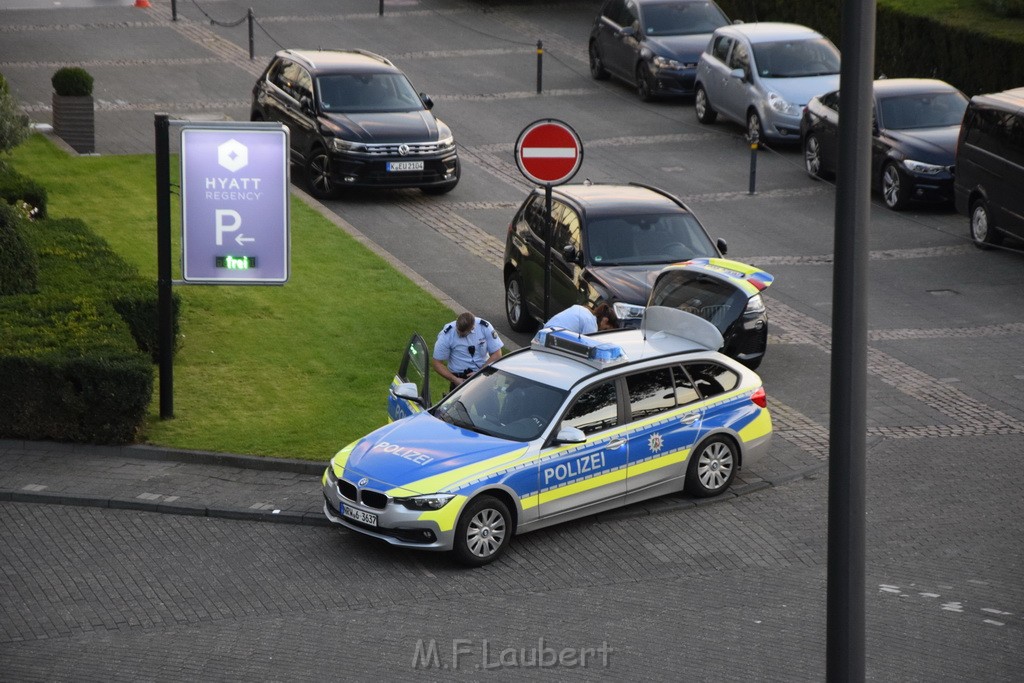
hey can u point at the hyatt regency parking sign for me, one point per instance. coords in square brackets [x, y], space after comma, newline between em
[234, 203]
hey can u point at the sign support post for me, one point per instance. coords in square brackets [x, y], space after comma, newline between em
[165, 312]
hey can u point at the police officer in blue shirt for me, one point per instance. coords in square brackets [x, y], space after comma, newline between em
[582, 320]
[466, 344]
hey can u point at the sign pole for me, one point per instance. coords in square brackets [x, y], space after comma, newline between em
[847, 485]
[548, 238]
[165, 311]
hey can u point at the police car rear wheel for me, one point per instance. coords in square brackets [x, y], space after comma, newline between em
[712, 467]
[483, 531]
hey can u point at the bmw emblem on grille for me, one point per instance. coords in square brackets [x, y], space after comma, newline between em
[403, 150]
[364, 481]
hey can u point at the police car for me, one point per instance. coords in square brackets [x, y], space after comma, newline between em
[570, 426]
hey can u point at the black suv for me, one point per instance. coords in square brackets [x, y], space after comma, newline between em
[608, 244]
[355, 121]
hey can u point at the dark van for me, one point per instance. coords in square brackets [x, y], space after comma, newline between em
[990, 167]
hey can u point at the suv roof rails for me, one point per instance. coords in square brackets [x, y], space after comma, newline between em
[667, 195]
[303, 54]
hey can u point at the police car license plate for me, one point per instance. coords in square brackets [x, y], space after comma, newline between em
[405, 166]
[359, 515]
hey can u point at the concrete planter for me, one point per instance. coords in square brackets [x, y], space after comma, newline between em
[74, 122]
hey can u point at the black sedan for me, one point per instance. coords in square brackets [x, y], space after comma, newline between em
[653, 44]
[913, 139]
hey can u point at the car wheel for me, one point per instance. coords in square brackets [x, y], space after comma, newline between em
[712, 467]
[893, 192]
[812, 156]
[515, 305]
[983, 233]
[644, 88]
[597, 70]
[318, 175]
[483, 531]
[702, 106]
[755, 131]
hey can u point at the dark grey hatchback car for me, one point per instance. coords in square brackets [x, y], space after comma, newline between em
[608, 245]
[355, 121]
[653, 45]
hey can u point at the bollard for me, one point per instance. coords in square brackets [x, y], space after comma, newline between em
[540, 65]
[754, 144]
[174, 10]
[380, 10]
[252, 40]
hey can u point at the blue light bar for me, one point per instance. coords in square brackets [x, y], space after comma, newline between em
[592, 351]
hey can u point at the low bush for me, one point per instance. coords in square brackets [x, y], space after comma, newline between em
[19, 269]
[23, 192]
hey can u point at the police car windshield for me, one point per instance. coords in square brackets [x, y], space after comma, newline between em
[502, 405]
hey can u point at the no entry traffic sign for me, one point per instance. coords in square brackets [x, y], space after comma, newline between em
[549, 152]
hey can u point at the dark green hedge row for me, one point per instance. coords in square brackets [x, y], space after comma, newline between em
[76, 260]
[93, 399]
[907, 46]
[19, 269]
[76, 356]
[16, 188]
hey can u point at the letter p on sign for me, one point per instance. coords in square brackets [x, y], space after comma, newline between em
[223, 224]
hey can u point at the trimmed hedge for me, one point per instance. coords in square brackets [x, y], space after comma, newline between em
[19, 269]
[72, 81]
[906, 45]
[16, 188]
[76, 357]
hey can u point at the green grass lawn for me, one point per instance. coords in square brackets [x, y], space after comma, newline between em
[294, 371]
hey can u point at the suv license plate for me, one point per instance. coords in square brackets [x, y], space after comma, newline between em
[359, 515]
[404, 166]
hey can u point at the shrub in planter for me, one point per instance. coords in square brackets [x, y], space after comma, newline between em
[72, 81]
[74, 120]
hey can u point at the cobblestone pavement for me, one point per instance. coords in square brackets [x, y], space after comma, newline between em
[729, 591]
[99, 587]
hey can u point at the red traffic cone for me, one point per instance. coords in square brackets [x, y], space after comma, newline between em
[142, 3]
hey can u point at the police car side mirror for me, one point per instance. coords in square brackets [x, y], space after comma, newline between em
[722, 246]
[570, 435]
[408, 391]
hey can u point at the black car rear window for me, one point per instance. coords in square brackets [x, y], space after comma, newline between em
[717, 302]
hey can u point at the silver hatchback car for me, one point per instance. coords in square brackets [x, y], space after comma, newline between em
[762, 74]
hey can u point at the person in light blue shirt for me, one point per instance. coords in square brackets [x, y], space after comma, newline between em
[464, 346]
[582, 320]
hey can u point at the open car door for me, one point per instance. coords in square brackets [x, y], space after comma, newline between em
[414, 369]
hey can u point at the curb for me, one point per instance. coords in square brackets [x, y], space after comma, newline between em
[144, 452]
[185, 509]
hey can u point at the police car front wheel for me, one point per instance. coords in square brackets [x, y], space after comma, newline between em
[712, 467]
[483, 531]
